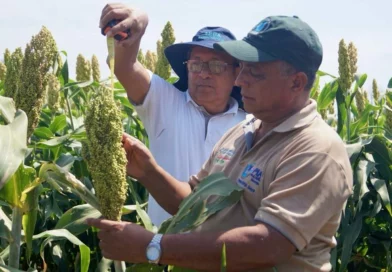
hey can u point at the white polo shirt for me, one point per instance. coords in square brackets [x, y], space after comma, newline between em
[181, 137]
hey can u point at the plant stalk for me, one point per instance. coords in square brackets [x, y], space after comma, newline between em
[119, 266]
[14, 257]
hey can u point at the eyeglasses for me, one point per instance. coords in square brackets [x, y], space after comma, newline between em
[214, 66]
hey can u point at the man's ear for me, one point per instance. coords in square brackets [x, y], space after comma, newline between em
[299, 82]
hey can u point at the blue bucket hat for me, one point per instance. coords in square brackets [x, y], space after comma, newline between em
[178, 53]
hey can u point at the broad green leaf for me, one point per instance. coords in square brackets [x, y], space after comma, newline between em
[64, 181]
[55, 142]
[354, 150]
[13, 138]
[13, 189]
[321, 73]
[59, 123]
[360, 79]
[43, 133]
[382, 190]
[214, 186]
[5, 226]
[327, 95]
[361, 175]
[74, 219]
[382, 155]
[55, 235]
[315, 87]
[349, 237]
[80, 84]
[66, 161]
[65, 73]
[30, 216]
[189, 220]
[389, 83]
[7, 109]
[140, 212]
[342, 112]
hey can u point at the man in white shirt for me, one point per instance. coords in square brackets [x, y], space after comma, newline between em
[185, 120]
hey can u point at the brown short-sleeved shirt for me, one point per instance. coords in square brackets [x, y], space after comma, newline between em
[296, 179]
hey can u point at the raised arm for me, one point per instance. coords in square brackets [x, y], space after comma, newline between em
[131, 74]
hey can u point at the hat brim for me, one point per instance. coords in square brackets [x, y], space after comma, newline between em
[243, 51]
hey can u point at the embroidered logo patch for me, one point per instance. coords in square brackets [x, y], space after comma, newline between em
[250, 177]
[223, 156]
[262, 26]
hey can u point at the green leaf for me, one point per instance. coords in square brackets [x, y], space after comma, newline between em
[13, 138]
[55, 142]
[140, 212]
[13, 189]
[342, 112]
[315, 87]
[382, 190]
[349, 236]
[65, 73]
[43, 133]
[5, 226]
[214, 185]
[64, 181]
[390, 83]
[29, 218]
[59, 123]
[327, 95]
[74, 219]
[321, 73]
[55, 235]
[7, 109]
[361, 175]
[66, 161]
[382, 155]
[360, 79]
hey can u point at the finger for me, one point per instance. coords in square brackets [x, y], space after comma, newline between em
[119, 14]
[102, 224]
[110, 7]
[123, 26]
[125, 136]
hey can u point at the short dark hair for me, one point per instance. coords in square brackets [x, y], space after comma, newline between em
[290, 69]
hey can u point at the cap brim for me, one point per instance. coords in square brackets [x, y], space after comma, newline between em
[244, 51]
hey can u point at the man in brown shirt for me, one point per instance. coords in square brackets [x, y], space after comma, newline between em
[293, 167]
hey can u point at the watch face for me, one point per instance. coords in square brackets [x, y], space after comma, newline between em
[153, 253]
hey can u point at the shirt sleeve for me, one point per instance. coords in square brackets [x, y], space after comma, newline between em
[308, 190]
[159, 105]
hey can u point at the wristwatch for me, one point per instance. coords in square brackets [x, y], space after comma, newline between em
[153, 250]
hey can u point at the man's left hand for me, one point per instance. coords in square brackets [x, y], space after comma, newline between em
[122, 241]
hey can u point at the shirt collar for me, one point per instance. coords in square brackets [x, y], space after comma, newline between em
[233, 104]
[300, 119]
